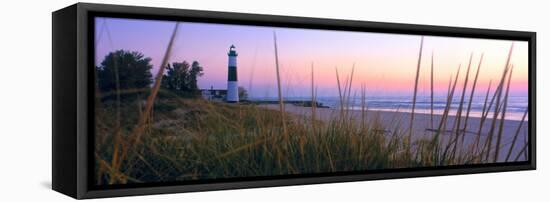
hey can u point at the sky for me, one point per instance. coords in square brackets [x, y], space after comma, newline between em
[385, 63]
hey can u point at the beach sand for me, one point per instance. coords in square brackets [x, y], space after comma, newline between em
[423, 129]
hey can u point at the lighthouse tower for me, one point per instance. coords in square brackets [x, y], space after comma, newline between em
[232, 85]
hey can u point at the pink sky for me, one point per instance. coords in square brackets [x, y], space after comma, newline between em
[385, 63]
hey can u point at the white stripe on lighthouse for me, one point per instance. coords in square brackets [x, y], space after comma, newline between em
[232, 91]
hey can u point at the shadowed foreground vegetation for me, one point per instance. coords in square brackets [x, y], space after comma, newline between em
[196, 139]
[189, 139]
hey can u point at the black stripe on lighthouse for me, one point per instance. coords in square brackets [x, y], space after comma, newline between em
[232, 75]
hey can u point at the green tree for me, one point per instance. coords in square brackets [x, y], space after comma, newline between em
[133, 70]
[182, 78]
[194, 73]
[176, 76]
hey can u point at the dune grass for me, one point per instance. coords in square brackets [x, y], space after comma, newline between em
[173, 138]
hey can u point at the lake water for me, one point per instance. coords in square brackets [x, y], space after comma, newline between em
[514, 111]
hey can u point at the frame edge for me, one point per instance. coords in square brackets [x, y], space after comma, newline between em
[81, 57]
[64, 145]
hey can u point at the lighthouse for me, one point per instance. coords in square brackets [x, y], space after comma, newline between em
[232, 85]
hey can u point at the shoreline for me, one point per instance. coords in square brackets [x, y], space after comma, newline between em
[392, 104]
[421, 124]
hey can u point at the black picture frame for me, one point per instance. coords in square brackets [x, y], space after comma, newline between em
[73, 90]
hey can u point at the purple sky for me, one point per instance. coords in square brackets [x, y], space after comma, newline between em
[386, 63]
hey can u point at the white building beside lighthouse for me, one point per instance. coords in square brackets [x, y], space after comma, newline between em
[232, 83]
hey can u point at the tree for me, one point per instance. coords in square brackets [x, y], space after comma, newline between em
[182, 78]
[176, 76]
[243, 94]
[194, 73]
[133, 70]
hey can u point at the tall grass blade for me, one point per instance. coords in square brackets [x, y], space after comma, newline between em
[340, 92]
[432, 93]
[471, 97]
[136, 133]
[443, 121]
[458, 116]
[497, 105]
[523, 150]
[313, 101]
[363, 105]
[279, 90]
[414, 95]
[484, 110]
[503, 115]
[516, 135]
[349, 88]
